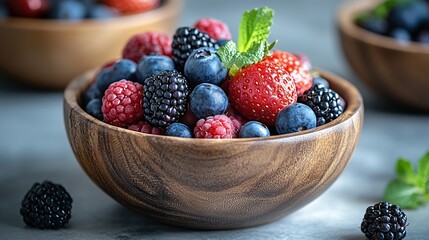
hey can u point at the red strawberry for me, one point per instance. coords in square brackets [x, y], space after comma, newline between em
[147, 43]
[216, 29]
[260, 91]
[296, 69]
[132, 6]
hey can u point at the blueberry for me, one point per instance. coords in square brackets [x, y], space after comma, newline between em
[374, 24]
[151, 64]
[400, 35]
[92, 93]
[204, 66]
[294, 118]
[4, 12]
[254, 129]
[101, 11]
[68, 9]
[320, 80]
[94, 108]
[122, 69]
[222, 42]
[179, 130]
[207, 100]
[423, 37]
[408, 16]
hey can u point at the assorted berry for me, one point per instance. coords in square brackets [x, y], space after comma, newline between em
[187, 39]
[404, 21]
[218, 126]
[207, 100]
[253, 129]
[295, 118]
[164, 98]
[122, 103]
[325, 103]
[260, 91]
[204, 66]
[384, 221]
[216, 29]
[46, 206]
[200, 84]
[147, 43]
[74, 9]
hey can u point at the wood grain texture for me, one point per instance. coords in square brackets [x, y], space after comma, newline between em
[207, 183]
[397, 71]
[49, 54]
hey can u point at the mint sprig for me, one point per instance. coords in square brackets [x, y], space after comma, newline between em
[410, 189]
[252, 44]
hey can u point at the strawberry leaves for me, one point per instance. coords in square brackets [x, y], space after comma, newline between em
[410, 189]
[252, 41]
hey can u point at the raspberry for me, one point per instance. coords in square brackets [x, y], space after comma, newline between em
[122, 103]
[216, 29]
[384, 221]
[237, 120]
[218, 126]
[147, 43]
[145, 127]
[46, 206]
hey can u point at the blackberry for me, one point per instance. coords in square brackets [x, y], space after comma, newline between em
[46, 206]
[187, 39]
[165, 98]
[384, 221]
[325, 103]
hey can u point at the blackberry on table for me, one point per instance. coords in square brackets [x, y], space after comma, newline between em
[325, 103]
[187, 39]
[165, 98]
[46, 206]
[384, 221]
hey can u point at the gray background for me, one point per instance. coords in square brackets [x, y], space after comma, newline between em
[34, 147]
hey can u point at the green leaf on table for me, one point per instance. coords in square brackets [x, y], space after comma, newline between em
[403, 194]
[405, 171]
[423, 167]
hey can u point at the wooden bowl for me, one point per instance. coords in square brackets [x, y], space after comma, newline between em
[397, 71]
[213, 183]
[48, 54]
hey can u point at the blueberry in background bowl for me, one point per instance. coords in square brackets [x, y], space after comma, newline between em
[396, 71]
[49, 53]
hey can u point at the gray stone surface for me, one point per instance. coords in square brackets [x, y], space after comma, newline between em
[34, 147]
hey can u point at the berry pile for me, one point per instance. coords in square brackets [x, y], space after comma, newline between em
[199, 83]
[73, 9]
[405, 21]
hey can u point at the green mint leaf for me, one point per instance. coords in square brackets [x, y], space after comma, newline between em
[405, 171]
[382, 10]
[227, 53]
[404, 194]
[423, 168]
[254, 27]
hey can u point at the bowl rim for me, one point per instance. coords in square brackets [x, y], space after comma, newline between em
[167, 8]
[348, 12]
[74, 90]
